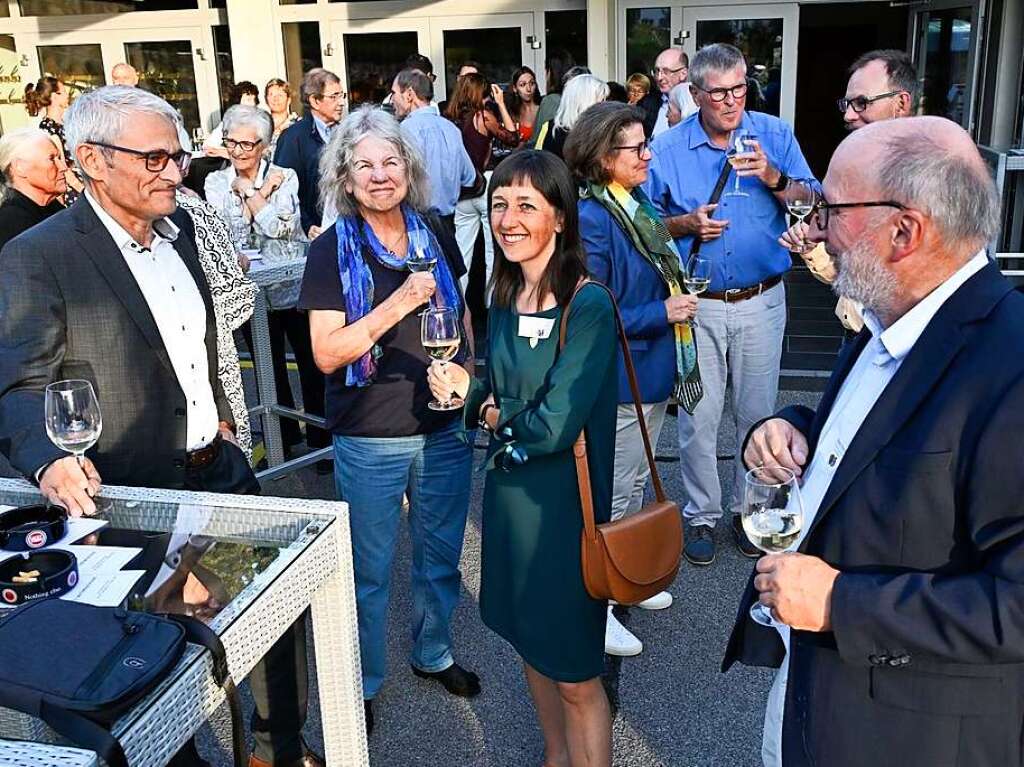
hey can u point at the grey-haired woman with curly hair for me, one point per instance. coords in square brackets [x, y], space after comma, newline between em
[363, 305]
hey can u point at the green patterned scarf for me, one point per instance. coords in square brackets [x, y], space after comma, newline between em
[636, 216]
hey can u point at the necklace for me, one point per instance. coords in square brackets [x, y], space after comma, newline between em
[394, 243]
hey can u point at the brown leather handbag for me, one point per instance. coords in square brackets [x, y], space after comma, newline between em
[633, 558]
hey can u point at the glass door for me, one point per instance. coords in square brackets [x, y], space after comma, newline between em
[499, 43]
[767, 35]
[372, 52]
[168, 69]
[946, 51]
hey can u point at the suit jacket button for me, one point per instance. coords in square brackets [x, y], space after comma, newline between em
[873, 660]
[179, 464]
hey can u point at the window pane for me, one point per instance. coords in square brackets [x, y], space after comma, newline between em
[225, 64]
[12, 98]
[372, 60]
[761, 43]
[5, 10]
[647, 34]
[946, 64]
[80, 67]
[566, 31]
[499, 51]
[166, 69]
[301, 54]
[73, 7]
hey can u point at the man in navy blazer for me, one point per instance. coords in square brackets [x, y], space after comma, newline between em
[300, 146]
[900, 616]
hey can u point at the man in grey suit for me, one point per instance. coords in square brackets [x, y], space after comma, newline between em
[111, 291]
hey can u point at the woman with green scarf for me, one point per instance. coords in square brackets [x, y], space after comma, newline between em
[630, 250]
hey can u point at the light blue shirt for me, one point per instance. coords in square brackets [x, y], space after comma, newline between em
[323, 129]
[448, 165]
[876, 366]
[682, 176]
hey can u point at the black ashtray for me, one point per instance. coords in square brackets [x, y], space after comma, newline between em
[37, 575]
[28, 528]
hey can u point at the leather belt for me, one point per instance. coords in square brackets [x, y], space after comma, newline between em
[203, 456]
[732, 295]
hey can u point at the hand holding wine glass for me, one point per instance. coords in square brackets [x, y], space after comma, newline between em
[441, 334]
[801, 197]
[74, 424]
[772, 516]
[739, 153]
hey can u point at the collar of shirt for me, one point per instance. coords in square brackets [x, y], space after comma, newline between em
[322, 128]
[163, 229]
[900, 337]
[699, 136]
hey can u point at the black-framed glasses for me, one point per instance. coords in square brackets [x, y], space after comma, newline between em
[640, 148]
[820, 212]
[156, 160]
[666, 70]
[860, 103]
[245, 146]
[720, 94]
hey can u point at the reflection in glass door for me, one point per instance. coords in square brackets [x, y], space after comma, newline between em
[767, 35]
[80, 67]
[648, 31]
[497, 42]
[945, 60]
[371, 62]
[165, 68]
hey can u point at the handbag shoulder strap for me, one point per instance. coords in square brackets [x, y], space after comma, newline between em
[580, 446]
[716, 195]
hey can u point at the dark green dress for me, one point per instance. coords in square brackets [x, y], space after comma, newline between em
[532, 590]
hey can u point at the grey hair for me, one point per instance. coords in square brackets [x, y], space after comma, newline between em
[678, 96]
[101, 116]
[336, 160]
[243, 115]
[314, 82]
[956, 193]
[13, 145]
[418, 81]
[717, 57]
[580, 93]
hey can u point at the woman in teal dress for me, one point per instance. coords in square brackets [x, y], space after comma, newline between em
[534, 402]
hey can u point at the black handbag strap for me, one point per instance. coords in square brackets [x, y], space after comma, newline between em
[716, 195]
[84, 732]
[199, 633]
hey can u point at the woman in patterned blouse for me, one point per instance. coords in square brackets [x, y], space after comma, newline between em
[50, 97]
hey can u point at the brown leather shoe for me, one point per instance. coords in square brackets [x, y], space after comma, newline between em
[309, 760]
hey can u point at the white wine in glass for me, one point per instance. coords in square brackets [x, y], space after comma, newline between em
[772, 516]
[420, 260]
[739, 149]
[441, 335]
[697, 277]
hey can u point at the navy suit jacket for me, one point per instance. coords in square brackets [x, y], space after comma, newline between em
[924, 665]
[299, 148]
[640, 293]
[651, 105]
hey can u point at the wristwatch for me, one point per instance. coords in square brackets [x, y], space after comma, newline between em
[483, 417]
[783, 182]
[250, 192]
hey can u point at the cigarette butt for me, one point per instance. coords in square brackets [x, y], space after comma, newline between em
[22, 579]
[29, 574]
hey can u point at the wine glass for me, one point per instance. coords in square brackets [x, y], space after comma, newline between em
[772, 516]
[801, 197]
[73, 419]
[441, 334]
[738, 150]
[420, 260]
[697, 277]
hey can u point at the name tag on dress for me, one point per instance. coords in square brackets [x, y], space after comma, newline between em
[535, 329]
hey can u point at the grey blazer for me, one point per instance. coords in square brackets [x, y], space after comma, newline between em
[70, 308]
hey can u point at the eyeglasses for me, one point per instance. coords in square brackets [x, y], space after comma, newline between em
[860, 103]
[666, 70]
[640, 148]
[157, 160]
[820, 211]
[245, 146]
[331, 96]
[720, 94]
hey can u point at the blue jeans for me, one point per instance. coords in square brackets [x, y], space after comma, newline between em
[372, 473]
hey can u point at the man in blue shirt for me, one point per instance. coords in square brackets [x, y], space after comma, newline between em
[439, 141]
[742, 316]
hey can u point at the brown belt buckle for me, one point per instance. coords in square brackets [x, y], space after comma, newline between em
[732, 292]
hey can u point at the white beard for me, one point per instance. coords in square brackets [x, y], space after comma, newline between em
[864, 278]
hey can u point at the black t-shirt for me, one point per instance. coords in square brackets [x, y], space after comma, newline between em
[395, 404]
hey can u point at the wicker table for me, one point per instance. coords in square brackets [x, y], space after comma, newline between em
[278, 282]
[271, 558]
[17, 753]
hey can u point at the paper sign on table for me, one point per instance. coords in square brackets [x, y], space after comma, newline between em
[102, 559]
[103, 589]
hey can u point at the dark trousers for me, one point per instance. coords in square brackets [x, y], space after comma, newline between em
[449, 223]
[294, 325]
[280, 681]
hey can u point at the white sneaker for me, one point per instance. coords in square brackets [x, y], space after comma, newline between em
[618, 640]
[659, 601]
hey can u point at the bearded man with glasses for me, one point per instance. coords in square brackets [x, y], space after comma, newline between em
[743, 313]
[111, 290]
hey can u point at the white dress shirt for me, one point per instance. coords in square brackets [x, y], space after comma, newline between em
[876, 366]
[179, 312]
[661, 124]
